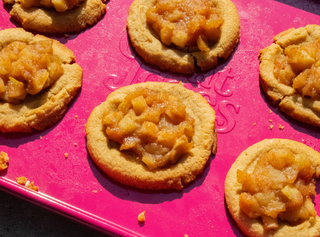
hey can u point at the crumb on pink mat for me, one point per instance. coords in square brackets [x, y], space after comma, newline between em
[142, 217]
[21, 180]
[32, 186]
[24, 182]
[4, 159]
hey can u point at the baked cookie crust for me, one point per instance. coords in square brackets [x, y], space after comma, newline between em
[126, 169]
[148, 45]
[46, 108]
[246, 162]
[290, 102]
[50, 21]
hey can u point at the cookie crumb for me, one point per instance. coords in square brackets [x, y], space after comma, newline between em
[141, 217]
[94, 191]
[75, 144]
[271, 127]
[281, 127]
[270, 111]
[4, 159]
[66, 36]
[123, 30]
[66, 155]
[185, 235]
[32, 186]
[254, 124]
[40, 137]
[76, 117]
[25, 182]
[270, 120]
[21, 180]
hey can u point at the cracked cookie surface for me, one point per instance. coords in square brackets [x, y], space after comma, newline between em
[287, 67]
[46, 108]
[149, 46]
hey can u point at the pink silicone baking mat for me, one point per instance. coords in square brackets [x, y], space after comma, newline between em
[77, 188]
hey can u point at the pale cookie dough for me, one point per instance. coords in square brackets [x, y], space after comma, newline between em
[246, 162]
[290, 101]
[148, 45]
[129, 170]
[46, 108]
[44, 20]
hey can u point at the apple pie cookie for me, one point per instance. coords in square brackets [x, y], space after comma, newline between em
[152, 135]
[270, 187]
[57, 16]
[290, 73]
[181, 35]
[38, 78]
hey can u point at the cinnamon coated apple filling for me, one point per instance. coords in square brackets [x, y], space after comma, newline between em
[185, 23]
[154, 125]
[280, 188]
[299, 68]
[27, 69]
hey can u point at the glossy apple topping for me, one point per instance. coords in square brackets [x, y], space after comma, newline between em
[155, 125]
[300, 68]
[280, 187]
[27, 69]
[185, 22]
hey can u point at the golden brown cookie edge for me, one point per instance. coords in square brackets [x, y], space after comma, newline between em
[54, 102]
[150, 48]
[302, 109]
[246, 161]
[174, 177]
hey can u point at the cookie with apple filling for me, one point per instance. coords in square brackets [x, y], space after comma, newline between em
[38, 78]
[57, 16]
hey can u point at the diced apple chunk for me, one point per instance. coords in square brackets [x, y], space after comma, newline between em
[60, 5]
[293, 194]
[299, 59]
[249, 205]
[202, 43]
[16, 89]
[112, 118]
[139, 104]
[39, 79]
[149, 132]
[127, 123]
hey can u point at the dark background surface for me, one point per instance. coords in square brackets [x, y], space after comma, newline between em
[21, 218]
